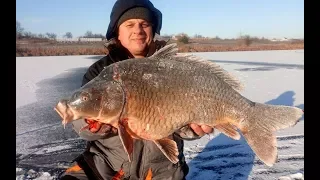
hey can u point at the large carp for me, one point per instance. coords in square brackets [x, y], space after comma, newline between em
[150, 98]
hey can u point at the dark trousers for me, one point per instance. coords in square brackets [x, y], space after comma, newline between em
[87, 171]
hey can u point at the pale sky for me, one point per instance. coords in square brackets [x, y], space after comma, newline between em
[223, 18]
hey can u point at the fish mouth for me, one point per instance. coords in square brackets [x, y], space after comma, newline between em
[65, 112]
[68, 114]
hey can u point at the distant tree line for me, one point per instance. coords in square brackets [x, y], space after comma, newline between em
[89, 34]
[21, 33]
[246, 40]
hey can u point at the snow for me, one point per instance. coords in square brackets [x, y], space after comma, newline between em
[44, 148]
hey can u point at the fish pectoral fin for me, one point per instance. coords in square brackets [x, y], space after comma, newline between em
[126, 139]
[229, 130]
[169, 148]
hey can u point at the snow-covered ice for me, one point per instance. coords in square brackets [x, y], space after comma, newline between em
[44, 148]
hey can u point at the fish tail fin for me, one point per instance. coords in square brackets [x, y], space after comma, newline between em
[260, 125]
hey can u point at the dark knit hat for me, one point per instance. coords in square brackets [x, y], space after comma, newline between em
[137, 13]
[123, 6]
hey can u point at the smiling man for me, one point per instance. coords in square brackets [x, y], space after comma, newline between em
[133, 25]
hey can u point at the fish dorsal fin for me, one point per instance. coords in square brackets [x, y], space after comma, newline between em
[169, 52]
[166, 52]
[215, 68]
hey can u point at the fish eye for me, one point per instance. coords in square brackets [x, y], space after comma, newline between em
[84, 96]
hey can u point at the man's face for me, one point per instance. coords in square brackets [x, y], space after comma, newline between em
[135, 35]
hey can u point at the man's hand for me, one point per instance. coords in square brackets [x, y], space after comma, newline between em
[98, 127]
[193, 131]
[201, 130]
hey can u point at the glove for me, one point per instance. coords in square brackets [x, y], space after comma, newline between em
[98, 127]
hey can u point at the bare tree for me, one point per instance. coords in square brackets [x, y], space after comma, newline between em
[184, 38]
[98, 36]
[19, 29]
[88, 34]
[68, 35]
[245, 40]
[51, 35]
[198, 36]
[41, 36]
[28, 34]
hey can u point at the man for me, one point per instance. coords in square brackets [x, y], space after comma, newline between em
[133, 25]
